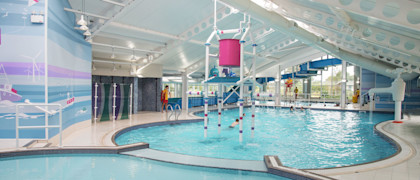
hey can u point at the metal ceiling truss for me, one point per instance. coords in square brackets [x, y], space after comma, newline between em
[380, 9]
[278, 47]
[86, 13]
[377, 43]
[99, 27]
[205, 24]
[376, 35]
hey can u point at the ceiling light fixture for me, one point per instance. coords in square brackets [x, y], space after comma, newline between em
[87, 33]
[84, 28]
[82, 21]
[145, 60]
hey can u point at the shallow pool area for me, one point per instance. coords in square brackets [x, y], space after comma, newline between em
[305, 139]
[111, 166]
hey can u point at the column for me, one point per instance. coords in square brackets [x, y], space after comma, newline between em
[343, 84]
[278, 92]
[184, 94]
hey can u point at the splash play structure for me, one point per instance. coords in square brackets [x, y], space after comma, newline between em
[231, 54]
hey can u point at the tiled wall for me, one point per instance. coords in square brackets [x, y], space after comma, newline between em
[149, 94]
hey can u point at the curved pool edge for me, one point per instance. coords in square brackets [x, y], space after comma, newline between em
[74, 150]
[405, 152]
[160, 123]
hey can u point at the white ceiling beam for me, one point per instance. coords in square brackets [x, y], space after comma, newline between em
[129, 38]
[121, 47]
[355, 35]
[358, 31]
[144, 30]
[281, 23]
[206, 20]
[115, 3]
[377, 11]
[292, 59]
[114, 62]
[332, 34]
[129, 5]
[86, 13]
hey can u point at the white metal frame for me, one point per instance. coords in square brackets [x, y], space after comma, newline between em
[46, 126]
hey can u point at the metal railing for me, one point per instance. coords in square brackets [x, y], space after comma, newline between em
[174, 112]
[46, 126]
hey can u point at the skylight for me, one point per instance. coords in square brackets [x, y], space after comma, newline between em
[266, 4]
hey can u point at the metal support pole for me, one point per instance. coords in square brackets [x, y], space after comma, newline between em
[241, 92]
[253, 89]
[206, 99]
[113, 102]
[321, 96]
[293, 87]
[96, 103]
[17, 127]
[331, 83]
[219, 106]
[60, 124]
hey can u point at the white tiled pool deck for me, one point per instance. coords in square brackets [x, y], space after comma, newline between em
[404, 166]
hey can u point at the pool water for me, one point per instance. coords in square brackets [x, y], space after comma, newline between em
[107, 166]
[302, 139]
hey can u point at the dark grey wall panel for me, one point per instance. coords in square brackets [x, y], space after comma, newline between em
[149, 94]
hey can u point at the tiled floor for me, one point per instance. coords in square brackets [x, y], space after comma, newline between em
[100, 134]
[408, 170]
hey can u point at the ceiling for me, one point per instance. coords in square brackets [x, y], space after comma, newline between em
[173, 33]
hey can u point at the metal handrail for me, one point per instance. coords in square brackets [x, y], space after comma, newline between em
[46, 126]
[179, 110]
[172, 112]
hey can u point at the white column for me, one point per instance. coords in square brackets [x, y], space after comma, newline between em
[206, 98]
[397, 115]
[278, 94]
[343, 84]
[253, 89]
[184, 91]
[241, 93]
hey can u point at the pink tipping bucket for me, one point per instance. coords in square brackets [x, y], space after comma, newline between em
[229, 52]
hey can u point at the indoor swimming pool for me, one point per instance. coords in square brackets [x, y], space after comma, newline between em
[304, 139]
[111, 166]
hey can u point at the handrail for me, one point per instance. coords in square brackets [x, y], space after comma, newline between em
[179, 110]
[46, 126]
[172, 112]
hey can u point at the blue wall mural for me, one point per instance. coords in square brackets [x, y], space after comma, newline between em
[23, 70]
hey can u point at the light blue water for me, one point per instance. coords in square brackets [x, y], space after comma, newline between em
[301, 139]
[104, 166]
